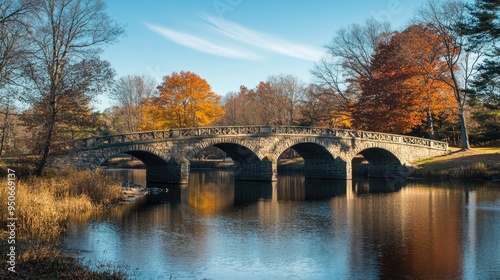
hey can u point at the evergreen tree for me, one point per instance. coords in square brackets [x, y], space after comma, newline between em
[484, 29]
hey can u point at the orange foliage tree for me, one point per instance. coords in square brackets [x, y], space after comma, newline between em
[408, 88]
[184, 100]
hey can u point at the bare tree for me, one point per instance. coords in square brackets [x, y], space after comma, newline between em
[289, 93]
[66, 37]
[349, 56]
[273, 102]
[7, 108]
[243, 108]
[129, 92]
[233, 110]
[318, 109]
[446, 18]
[12, 35]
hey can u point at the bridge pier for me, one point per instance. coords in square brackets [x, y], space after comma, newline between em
[256, 171]
[170, 173]
[327, 169]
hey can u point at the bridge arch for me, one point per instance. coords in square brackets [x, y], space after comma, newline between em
[145, 153]
[235, 148]
[308, 148]
[157, 163]
[250, 164]
[382, 162]
[319, 161]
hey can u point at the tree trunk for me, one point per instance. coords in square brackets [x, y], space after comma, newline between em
[463, 128]
[47, 142]
[4, 130]
[430, 123]
[2, 141]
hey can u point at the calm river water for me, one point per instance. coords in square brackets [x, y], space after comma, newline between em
[295, 228]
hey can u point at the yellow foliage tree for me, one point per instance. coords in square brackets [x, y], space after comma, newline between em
[185, 100]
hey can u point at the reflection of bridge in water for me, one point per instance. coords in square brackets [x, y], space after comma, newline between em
[327, 152]
[213, 191]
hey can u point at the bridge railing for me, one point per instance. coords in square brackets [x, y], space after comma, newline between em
[254, 130]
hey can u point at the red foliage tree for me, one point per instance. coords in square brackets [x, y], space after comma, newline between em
[408, 88]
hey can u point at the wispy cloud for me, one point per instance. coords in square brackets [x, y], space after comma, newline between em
[202, 45]
[262, 40]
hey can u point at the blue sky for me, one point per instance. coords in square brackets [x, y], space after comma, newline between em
[235, 42]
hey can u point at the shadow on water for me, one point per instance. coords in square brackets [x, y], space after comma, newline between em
[365, 185]
[251, 192]
[298, 188]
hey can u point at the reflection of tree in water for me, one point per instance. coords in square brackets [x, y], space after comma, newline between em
[209, 193]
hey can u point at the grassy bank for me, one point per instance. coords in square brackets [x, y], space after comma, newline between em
[477, 163]
[43, 208]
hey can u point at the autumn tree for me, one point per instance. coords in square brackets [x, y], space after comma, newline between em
[385, 105]
[129, 92]
[421, 46]
[62, 70]
[184, 100]
[408, 84]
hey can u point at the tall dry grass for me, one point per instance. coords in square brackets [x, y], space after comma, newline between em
[45, 204]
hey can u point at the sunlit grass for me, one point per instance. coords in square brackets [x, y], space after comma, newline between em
[488, 149]
[477, 163]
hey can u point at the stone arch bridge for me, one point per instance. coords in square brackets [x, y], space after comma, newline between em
[327, 152]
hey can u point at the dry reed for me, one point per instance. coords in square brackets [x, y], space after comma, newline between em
[44, 205]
